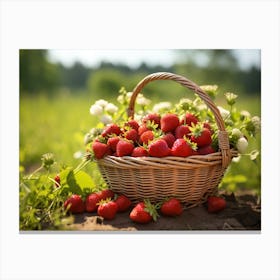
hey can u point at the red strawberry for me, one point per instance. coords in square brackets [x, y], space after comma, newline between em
[139, 152]
[208, 125]
[205, 150]
[105, 194]
[57, 180]
[201, 135]
[124, 148]
[215, 204]
[111, 129]
[159, 148]
[133, 124]
[112, 142]
[189, 119]
[181, 131]
[146, 137]
[152, 117]
[182, 148]
[100, 149]
[123, 203]
[171, 207]
[142, 128]
[169, 138]
[132, 135]
[91, 202]
[169, 122]
[107, 209]
[76, 204]
[144, 212]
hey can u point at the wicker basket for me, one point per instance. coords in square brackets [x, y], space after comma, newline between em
[191, 179]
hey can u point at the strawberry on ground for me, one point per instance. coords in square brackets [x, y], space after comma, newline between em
[75, 203]
[159, 148]
[107, 193]
[169, 122]
[107, 209]
[215, 204]
[123, 203]
[144, 212]
[182, 147]
[91, 202]
[139, 152]
[171, 207]
[124, 148]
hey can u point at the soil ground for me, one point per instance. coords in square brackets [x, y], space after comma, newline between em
[243, 212]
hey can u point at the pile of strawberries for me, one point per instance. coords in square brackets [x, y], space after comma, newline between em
[107, 204]
[156, 136]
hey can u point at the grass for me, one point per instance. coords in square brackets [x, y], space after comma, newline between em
[58, 124]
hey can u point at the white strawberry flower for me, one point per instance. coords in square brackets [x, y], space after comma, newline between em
[101, 102]
[161, 106]
[236, 132]
[143, 101]
[245, 114]
[111, 108]
[96, 110]
[256, 122]
[224, 113]
[242, 145]
[106, 119]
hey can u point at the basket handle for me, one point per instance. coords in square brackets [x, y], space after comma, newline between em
[222, 134]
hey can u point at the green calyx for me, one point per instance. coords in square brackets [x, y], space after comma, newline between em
[151, 209]
[196, 129]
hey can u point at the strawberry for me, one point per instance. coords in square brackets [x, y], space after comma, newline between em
[107, 209]
[182, 148]
[124, 148]
[169, 122]
[144, 212]
[123, 203]
[111, 129]
[189, 119]
[142, 128]
[181, 131]
[100, 149]
[208, 125]
[112, 142]
[57, 180]
[146, 137]
[74, 204]
[132, 135]
[205, 150]
[133, 124]
[105, 194]
[139, 152]
[91, 202]
[152, 117]
[215, 204]
[200, 135]
[159, 148]
[169, 138]
[171, 207]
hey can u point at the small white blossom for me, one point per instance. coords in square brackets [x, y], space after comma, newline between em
[201, 107]
[224, 113]
[256, 122]
[161, 106]
[78, 155]
[101, 102]
[111, 108]
[143, 101]
[106, 119]
[236, 132]
[245, 114]
[236, 159]
[242, 145]
[95, 110]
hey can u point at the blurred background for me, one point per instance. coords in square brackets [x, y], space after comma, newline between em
[57, 88]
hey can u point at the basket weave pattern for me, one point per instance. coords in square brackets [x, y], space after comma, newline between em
[191, 179]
